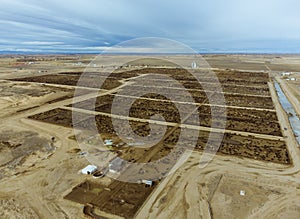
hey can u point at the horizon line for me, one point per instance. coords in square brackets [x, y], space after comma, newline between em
[97, 53]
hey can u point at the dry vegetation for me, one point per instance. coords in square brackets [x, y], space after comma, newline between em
[253, 134]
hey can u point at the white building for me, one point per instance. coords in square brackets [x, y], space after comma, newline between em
[89, 169]
[291, 79]
[147, 182]
[108, 142]
[285, 73]
[242, 193]
[194, 65]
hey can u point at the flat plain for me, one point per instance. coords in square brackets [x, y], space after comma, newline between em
[253, 174]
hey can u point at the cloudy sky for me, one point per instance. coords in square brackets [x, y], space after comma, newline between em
[205, 25]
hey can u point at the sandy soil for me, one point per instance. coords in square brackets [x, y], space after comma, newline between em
[35, 189]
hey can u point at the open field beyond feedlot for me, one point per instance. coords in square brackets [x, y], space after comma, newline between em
[256, 155]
